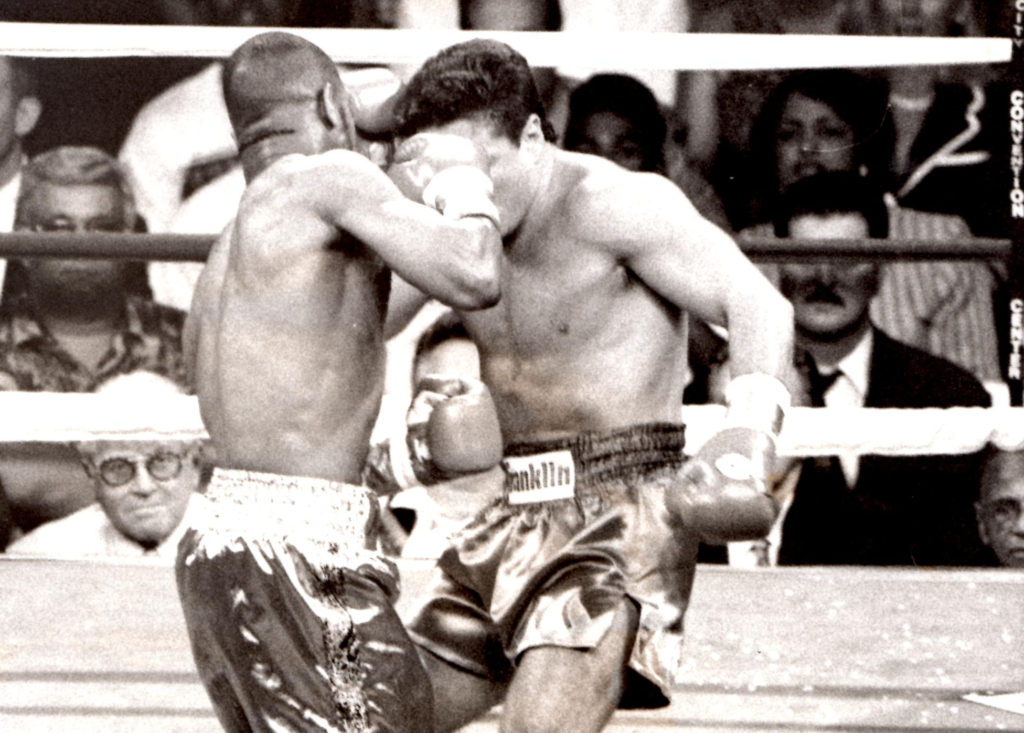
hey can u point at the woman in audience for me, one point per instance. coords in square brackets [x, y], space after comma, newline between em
[836, 120]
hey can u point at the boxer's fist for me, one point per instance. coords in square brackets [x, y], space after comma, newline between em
[373, 92]
[453, 429]
[722, 492]
[446, 172]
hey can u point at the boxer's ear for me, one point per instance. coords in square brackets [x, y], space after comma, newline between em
[334, 105]
[531, 137]
[328, 105]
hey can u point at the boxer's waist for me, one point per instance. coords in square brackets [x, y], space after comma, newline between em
[273, 505]
[554, 469]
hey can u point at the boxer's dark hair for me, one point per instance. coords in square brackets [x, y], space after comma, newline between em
[552, 14]
[628, 98]
[833, 192]
[478, 78]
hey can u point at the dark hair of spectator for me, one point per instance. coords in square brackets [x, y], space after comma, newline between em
[860, 101]
[446, 327]
[833, 192]
[628, 98]
[552, 14]
[478, 78]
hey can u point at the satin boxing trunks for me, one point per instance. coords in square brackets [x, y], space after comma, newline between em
[581, 525]
[290, 614]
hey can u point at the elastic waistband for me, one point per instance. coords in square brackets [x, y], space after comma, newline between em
[270, 505]
[625, 453]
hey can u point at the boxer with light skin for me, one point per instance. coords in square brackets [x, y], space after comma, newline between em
[566, 588]
[286, 341]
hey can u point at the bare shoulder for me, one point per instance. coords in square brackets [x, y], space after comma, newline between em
[606, 202]
[298, 177]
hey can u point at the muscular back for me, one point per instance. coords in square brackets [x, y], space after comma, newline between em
[578, 341]
[288, 334]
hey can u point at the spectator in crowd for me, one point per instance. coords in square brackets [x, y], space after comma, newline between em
[75, 325]
[835, 120]
[873, 510]
[619, 118]
[145, 489]
[944, 122]
[526, 15]
[421, 518]
[1000, 508]
[715, 106]
[145, 496]
[19, 111]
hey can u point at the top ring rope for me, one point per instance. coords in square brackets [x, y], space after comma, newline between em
[627, 49]
[56, 417]
[195, 247]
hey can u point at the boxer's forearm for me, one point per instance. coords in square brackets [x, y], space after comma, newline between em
[760, 323]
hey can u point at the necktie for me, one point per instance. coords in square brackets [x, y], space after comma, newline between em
[819, 494]
[819, 383]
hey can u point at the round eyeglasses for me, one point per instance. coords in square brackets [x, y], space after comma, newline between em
[119, 471]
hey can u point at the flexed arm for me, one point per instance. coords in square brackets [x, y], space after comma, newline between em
[696, 266]
[450, 250]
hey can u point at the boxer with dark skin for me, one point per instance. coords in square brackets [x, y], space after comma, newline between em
[285, 338]
[564, 594]
[286, 326]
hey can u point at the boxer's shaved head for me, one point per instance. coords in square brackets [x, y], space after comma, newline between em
[281, 85]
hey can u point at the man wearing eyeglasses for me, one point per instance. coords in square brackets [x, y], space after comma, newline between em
[70, 325]
[73, 323]
[145, 500]
[1000, 508]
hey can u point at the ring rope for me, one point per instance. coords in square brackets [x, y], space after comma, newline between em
[195, 247]
[625, 49]
[58, 417]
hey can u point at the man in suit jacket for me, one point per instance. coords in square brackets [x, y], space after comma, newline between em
[871, 510]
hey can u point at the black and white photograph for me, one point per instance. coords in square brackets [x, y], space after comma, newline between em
[414, 366]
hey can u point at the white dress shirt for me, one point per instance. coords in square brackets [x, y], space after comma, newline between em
[89, 533]
[849, 390]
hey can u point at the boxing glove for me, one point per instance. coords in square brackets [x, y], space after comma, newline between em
[723, 492]
[373, 92]
[447, 173]
[453, 429]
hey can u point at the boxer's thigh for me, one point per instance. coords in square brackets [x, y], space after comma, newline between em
[295, 645]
